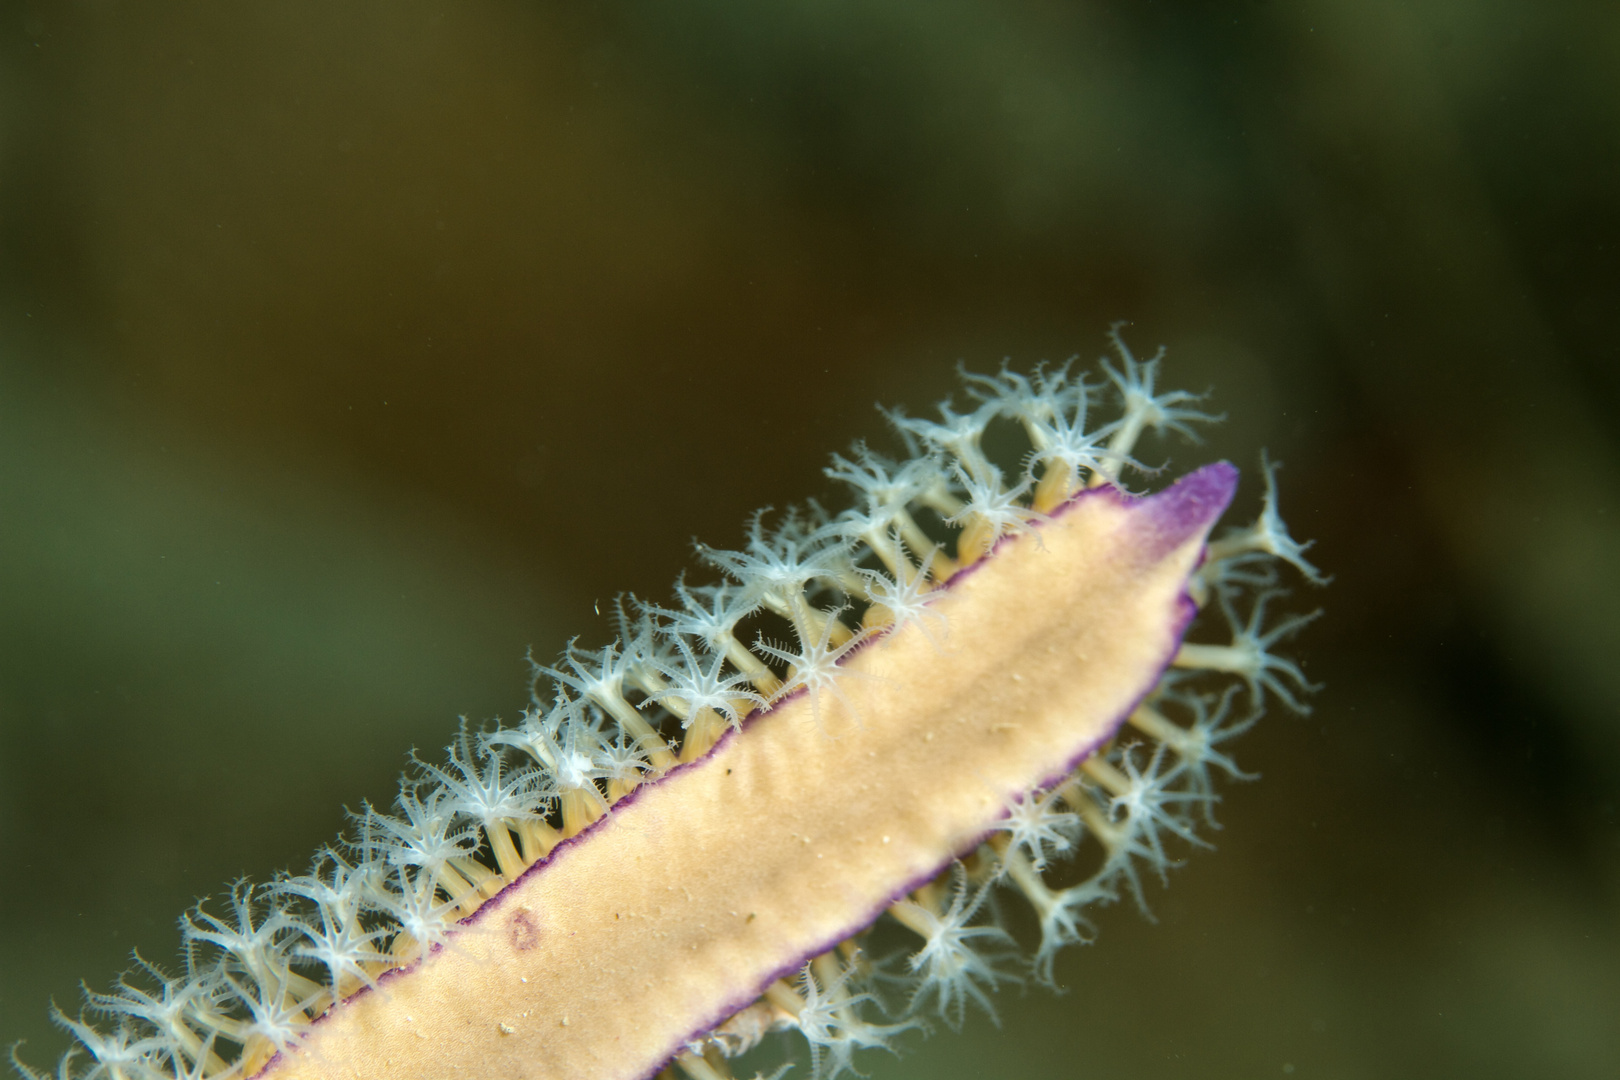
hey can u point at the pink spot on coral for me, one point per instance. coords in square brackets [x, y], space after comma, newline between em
[524, 930]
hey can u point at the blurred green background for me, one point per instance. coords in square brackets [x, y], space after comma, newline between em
[349, 349]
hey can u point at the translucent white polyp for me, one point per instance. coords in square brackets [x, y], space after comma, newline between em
[684, 903]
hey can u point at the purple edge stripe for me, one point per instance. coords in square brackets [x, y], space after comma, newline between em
[1166, 519]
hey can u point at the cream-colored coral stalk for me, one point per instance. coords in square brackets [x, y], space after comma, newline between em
[686, 902]
[591, 895]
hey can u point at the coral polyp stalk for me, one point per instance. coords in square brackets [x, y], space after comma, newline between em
[684, 843]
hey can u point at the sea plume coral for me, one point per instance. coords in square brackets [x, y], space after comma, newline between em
[683, 843]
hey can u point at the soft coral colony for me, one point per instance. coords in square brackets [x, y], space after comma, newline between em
[971, 680]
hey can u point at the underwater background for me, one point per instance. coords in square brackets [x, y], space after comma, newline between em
[347, 350]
